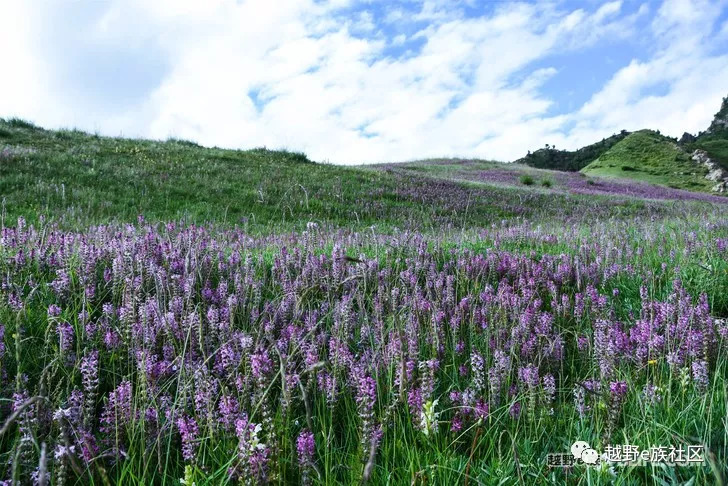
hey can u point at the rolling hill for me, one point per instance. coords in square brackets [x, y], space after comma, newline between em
[695, 163]
[650, 157]
[79, 179]
[570, 160]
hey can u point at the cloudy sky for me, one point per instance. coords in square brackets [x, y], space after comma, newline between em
[356, 81]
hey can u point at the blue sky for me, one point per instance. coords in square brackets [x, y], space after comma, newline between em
[364, 81]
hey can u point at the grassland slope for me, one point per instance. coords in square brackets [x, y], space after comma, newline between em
[570, 160]
[80, 179]
[650, 157]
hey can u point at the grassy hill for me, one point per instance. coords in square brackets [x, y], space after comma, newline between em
[650, 157]
[79, 179]
[647, 156]
[570, 160]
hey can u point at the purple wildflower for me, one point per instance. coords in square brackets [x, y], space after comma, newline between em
[90, 381]
[515, 410]
[650, 394]
[306, 448]
[700, 375]
[187, 427]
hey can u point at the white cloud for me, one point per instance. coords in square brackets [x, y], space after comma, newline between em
[307, 75]
[22, 88]
[692, 79]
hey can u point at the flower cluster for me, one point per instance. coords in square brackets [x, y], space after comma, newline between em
[197, 343]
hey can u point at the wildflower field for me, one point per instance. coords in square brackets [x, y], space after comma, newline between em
[171, 314]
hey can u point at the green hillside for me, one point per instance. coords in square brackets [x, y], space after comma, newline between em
[79, 179]
[570, 160]
[650, 157]
[717, 149]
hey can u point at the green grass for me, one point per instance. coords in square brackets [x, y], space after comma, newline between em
[568, 160]
[79, 179]
[649, 157]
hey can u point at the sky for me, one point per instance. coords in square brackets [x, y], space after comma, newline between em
[363, 81]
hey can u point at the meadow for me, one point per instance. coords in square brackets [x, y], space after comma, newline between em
[173, 314]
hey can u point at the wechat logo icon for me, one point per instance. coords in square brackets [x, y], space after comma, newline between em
[582, 450]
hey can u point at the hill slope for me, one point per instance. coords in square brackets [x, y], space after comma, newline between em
[568, 160]
[650, 157]
[647, 157]
[82, 179]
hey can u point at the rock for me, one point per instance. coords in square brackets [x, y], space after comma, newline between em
[700, 156]
[687, 138]
[720, 121]
[716, 173]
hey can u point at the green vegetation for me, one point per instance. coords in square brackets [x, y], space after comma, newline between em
[715, 139]
[717, 150]
[77, 179]
[571, 161]
[284, 332]
[650, 157]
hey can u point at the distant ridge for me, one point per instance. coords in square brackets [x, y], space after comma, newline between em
[695, 162]
[567, 160]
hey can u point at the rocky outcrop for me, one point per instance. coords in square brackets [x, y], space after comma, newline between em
[720, 121]
[716, 173]
[687, 138]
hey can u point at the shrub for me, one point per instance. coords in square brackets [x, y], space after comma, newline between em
[547, 183]
[20, 123]
[283, 154]
[180, 141]
[527, 180]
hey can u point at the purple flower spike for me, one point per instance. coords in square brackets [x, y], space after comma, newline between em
[618, 388]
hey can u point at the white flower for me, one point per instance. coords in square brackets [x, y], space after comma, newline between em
[61, 413]
[255, 442]
[428, 418]
[63, 451]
